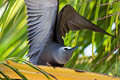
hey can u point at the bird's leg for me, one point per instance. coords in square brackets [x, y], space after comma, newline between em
[48, 64]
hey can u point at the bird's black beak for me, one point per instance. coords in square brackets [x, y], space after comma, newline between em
[74, 48]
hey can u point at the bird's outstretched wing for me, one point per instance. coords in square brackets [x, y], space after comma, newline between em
[69, 19]
[41, 21]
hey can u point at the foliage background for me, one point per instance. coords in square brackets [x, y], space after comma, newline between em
[105, 57]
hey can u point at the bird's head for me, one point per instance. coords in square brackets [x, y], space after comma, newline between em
[66, 53]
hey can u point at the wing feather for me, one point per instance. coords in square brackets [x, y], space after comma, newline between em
[69, 19]
[41, 20]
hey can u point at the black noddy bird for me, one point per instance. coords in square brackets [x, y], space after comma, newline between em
[46, 28]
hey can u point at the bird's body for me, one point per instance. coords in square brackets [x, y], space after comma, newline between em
[56, 58]
[49, 49]
[46, 28]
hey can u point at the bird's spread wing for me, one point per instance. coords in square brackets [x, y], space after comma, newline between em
[69, 19]
[41, 20]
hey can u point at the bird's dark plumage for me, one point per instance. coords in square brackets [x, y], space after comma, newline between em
[41, 21]
[46, 28]
[69, 19]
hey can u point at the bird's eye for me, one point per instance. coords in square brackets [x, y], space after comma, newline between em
[65, 48]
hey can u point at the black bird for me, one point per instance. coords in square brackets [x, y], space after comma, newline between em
[46, 28]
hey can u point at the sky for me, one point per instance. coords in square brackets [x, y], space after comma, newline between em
[88, 50]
